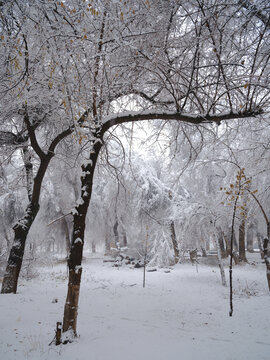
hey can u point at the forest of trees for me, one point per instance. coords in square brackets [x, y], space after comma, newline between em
[137, 124]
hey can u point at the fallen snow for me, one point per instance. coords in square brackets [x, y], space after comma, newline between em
[180, 314]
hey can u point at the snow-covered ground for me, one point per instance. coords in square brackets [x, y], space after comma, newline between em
[181, 314]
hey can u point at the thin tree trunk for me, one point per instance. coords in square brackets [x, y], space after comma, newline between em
[242, 250]
[220, 263]
[250, 234]
[174, 242]
[266, 259]
[231, 254]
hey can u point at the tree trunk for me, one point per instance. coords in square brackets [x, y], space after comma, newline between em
[174, 242]
[107, 246]
[259, 240]
[29, 171]
[125, 242]
[116, 234]
[227, 245]
[267, 259]
[250, 233]
[15, 259]
[77, 242]
[242, 250]
[221, 244]
[220, 263]
[235, 245]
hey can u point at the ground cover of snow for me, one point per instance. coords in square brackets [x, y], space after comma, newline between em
[181, 314]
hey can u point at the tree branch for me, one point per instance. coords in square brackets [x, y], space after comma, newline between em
[177, 116]
[58, 138]
[32, 136]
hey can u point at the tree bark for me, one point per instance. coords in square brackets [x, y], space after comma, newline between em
[250, 234]
[29, 171]
[220, 263]
[21, 229]
[267, 259]
[107, 245]
[242, 250]
[220, 240]
[116, 234]
[260, 245]
[77, 241]
[174, 242]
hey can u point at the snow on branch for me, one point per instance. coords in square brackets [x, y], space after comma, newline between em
[177, 116]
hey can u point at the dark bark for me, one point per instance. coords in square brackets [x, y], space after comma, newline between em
[242, 249]
[174, 242]
[266, 252]
[125, 240]
[15, 259]
[77, 241]
[116, 234]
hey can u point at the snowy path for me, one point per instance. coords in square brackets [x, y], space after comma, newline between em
[179, 315]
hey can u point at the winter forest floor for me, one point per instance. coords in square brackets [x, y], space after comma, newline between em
[181, 314]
